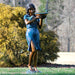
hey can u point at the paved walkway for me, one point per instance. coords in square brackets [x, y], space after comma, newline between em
[65, 58]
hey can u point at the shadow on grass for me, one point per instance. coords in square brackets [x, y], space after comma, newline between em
[56, 65]
[46, 69]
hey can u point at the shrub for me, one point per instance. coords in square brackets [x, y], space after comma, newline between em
[12, 36]
[50, 46]
[13, 45]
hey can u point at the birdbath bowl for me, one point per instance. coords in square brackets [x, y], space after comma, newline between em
[42, 15]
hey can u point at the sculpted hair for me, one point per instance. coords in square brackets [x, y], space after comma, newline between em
[29, 6]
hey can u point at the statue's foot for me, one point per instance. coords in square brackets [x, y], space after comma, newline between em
[30, 68]
[36, 69]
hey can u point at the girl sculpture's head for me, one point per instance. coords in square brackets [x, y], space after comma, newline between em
[31, 8]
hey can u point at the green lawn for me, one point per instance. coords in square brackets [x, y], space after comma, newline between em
[44, 70]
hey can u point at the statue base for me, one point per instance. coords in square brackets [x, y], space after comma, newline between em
[32, 72]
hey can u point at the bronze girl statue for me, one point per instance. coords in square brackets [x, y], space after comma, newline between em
[32, 34]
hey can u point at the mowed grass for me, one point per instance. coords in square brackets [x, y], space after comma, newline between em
[44, 71]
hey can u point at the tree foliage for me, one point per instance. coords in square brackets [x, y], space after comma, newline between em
[13, 45]
[55, 12]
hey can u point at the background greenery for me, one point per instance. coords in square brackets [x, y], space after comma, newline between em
[13, 45]
[55, 10]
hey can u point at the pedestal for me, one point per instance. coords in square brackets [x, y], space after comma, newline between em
[32, 72]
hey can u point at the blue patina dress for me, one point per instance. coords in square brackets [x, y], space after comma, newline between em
[32, 33]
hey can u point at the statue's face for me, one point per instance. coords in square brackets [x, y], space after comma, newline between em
[31, 11]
